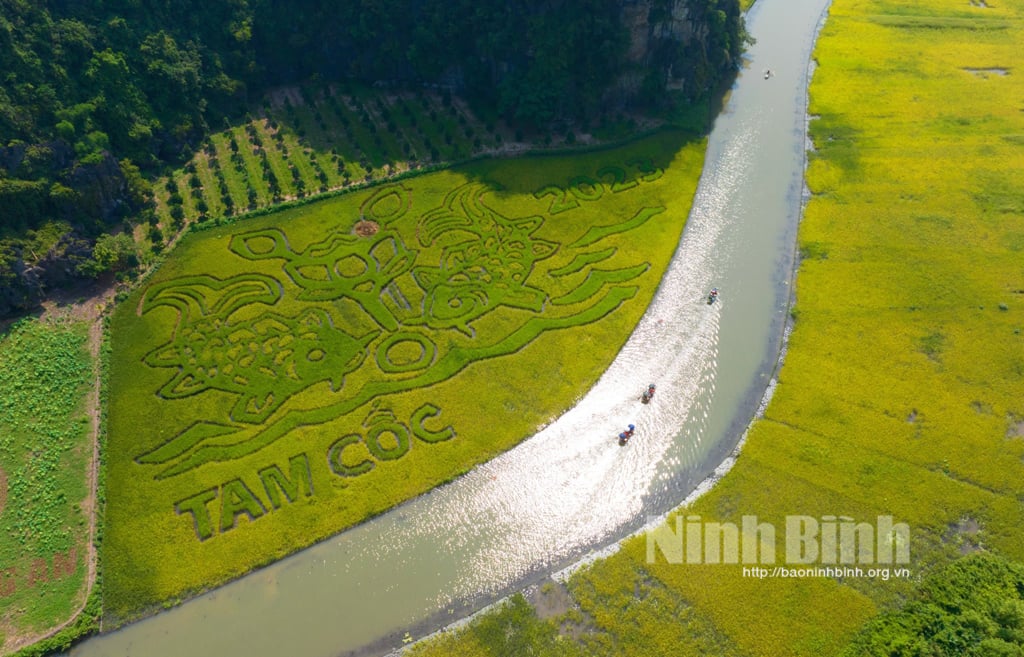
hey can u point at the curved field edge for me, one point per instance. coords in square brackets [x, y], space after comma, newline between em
[900, 392]
[178, 523]
[49, 395]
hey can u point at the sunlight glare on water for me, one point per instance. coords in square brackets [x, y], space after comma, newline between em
[571, 488]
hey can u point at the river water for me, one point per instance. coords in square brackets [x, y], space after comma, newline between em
[570, 489]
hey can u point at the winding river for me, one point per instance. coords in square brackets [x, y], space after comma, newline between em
[569, 489]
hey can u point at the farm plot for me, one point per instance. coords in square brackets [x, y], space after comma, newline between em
[282, 378]
[306, 142]
[45, 453]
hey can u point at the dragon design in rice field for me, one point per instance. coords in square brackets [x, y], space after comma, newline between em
[470, 261]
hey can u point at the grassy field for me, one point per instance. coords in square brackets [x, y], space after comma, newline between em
[45, 452]
[284, 377]
[901, 390]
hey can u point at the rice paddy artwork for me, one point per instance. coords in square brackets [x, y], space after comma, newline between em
[281, 378]
[266, 359]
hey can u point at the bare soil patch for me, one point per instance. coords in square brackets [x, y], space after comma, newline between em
[965, 533]
[85, 302]
[1016, 427]
[986, 72]
[551, 599]
[366, 228]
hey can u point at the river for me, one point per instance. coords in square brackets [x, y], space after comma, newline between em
[569, 489]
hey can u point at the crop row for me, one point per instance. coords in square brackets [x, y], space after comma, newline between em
[301, 143]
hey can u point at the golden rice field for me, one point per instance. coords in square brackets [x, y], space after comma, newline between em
[901, 393]
[284, 377]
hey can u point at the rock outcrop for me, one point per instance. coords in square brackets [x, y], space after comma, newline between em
[680, 45]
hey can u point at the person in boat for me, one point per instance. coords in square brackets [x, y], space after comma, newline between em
[648, 394]
[713, 296]
[767, 73]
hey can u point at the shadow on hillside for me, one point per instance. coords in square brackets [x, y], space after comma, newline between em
[647, 151]
[637, 158]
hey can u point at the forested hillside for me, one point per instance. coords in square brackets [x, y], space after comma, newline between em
[97, 94]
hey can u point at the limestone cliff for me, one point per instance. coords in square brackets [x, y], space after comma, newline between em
[681, 45]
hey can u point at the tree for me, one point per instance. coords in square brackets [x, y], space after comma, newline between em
[973, 607]
[110, 253]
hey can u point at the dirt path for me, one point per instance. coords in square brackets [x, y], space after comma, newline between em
[88, 308]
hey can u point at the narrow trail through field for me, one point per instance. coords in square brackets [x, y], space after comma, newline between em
[88, 309]
[90, 505]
